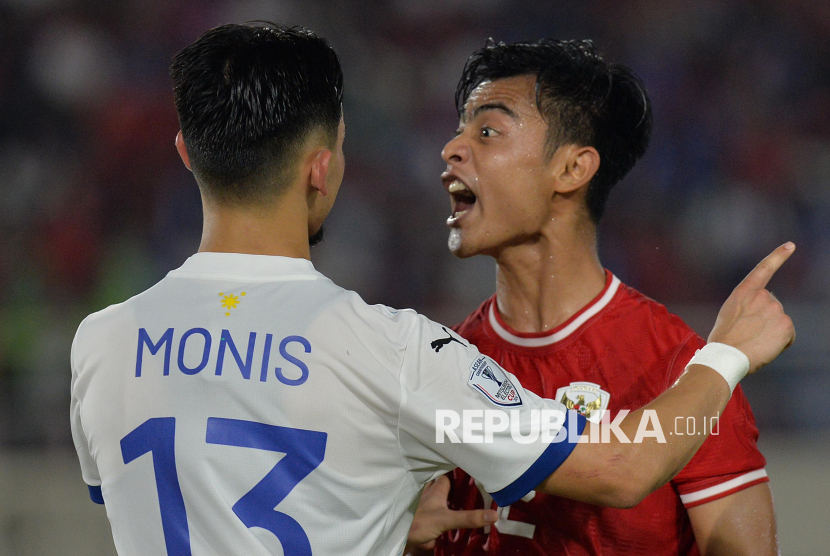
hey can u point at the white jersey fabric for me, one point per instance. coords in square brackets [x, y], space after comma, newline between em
[247, 405]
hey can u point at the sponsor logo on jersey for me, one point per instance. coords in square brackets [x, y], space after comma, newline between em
[441, 342]
[230, 301]
[586, 398]
[492, 382]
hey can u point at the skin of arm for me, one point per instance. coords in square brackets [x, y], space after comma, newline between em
[739, 524]
[619, 474]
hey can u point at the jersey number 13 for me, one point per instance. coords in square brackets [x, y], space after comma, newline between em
[303, 449]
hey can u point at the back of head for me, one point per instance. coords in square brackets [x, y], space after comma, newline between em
[247, 97]
[584, 100]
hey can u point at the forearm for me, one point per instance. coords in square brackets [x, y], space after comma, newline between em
[700, 396]
[620, 474]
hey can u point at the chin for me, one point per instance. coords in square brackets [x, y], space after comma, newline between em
[459, 246]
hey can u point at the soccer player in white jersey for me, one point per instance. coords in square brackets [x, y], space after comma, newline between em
[247, 405]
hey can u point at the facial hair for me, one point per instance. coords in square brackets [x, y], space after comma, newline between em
[315, 238]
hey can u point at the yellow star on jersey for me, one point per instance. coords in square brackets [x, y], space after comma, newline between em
[230, 301]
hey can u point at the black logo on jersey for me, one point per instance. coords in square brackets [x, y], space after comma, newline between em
[487, 373]
[441, 342]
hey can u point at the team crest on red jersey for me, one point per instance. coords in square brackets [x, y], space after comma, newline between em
[586, 398]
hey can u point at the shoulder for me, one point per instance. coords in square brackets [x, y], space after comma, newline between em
[473, 324]
[101, 328]
[385, 332]
[645, 316]
[641, 331]
[378, 318]
[111, 317]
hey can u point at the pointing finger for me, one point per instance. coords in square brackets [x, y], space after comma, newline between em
[760, 276]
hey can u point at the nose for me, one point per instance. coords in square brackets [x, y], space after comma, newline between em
[456, 150]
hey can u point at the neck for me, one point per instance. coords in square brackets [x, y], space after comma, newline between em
[541, 284]
[277, 228]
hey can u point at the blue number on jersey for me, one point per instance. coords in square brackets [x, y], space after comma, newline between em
[304, 450]
[158, 436]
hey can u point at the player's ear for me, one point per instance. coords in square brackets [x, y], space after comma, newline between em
[574, 166]
[182, 149]
[319, 171]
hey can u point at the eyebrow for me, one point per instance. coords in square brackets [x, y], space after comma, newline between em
[491, 106]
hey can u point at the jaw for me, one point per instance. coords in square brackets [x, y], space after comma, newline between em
[464, 243]
[494, 239]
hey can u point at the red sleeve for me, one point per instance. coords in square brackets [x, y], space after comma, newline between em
[729, 460]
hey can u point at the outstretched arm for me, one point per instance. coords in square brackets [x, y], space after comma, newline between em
[621, 474]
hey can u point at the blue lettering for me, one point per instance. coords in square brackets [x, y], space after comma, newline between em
[226, 341]
[205, 354]
[291, 359]
[266, 355]
[245, 367]
[144, 340]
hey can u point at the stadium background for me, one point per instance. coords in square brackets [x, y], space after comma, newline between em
[95, 204]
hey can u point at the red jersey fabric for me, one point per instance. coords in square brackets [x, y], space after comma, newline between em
[632, 348]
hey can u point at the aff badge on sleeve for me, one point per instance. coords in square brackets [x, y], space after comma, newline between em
[586, 398]
[491, 381]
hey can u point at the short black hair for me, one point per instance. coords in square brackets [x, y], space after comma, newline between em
[247, 96]
[584, 100]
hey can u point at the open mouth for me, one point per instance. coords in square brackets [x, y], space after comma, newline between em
[462, 200]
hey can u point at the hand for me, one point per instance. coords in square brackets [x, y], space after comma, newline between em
[433, 516]
[752, 319]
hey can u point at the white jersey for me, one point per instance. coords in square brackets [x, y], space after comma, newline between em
[247, 405]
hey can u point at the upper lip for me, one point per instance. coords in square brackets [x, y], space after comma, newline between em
[448, 178]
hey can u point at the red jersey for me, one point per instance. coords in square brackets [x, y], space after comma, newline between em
[620, 351]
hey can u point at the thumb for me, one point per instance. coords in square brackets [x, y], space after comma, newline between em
[441, 486]
[470, 519]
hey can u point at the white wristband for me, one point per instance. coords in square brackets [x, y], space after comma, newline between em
[730, 362]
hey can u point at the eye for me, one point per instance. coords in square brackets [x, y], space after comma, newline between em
[488, 132]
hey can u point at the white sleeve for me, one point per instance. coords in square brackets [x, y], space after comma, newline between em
[89, 469]
[445, 381]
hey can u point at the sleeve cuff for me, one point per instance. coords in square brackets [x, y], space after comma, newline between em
[550, 460]
[692, 499]
[95, 494]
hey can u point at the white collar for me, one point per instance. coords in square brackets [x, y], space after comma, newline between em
[241, 265]
[560, 333]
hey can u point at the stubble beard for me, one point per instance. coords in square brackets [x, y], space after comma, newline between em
[317, 237]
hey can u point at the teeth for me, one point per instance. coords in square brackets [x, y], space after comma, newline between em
[452, 219]
[457, 187]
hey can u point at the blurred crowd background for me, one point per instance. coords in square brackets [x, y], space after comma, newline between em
[95, 204]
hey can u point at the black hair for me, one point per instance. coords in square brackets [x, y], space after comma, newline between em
[247, 96]
[584, 100]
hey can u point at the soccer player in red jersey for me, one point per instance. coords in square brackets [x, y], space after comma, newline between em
[546, 130]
